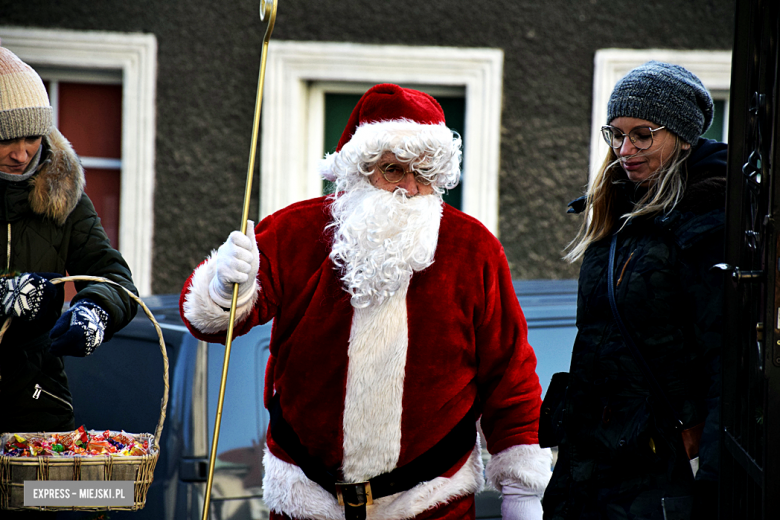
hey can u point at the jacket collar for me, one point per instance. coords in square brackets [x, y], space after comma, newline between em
[59, 183]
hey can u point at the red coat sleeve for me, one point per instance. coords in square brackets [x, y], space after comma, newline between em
[509, 388]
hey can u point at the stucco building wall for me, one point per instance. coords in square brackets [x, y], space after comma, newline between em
[209, 53]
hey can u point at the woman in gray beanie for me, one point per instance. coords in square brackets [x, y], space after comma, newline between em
[48, 227]
[636, 419]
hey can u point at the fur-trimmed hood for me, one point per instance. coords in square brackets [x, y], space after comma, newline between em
[59, 183]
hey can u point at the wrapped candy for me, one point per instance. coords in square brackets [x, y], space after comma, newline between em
[79, 442]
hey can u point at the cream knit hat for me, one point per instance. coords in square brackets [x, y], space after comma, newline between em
[24, 104]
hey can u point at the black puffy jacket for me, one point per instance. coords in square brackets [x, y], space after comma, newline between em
[620, 455]
[51, 226]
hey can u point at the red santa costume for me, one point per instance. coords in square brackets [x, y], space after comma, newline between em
[394, 319]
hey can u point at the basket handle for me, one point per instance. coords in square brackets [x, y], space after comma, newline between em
[163, 350]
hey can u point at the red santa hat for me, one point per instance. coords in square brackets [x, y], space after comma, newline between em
[386, 111]
[388, 102]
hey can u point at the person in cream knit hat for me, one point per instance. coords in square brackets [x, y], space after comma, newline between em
[49, 228]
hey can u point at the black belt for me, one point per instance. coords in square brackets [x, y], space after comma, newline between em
[354, 496]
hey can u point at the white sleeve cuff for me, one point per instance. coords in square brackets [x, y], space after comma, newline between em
[519, 491]
[526, 465]
[202, 311]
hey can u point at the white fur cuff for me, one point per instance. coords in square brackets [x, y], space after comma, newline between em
[201, 310]
[287, 490]
[526, 465]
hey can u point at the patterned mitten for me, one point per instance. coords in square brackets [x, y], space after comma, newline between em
[79, 331]
[27, 296]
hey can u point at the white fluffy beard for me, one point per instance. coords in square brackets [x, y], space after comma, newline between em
[380, 238]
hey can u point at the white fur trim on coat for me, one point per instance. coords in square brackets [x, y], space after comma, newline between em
[378, 343]
[201, 311]
[287, 490]
[59, 183]
[526, 464]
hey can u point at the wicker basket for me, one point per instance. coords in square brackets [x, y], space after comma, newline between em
[14, 471]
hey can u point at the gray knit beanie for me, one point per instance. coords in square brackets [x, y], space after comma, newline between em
[666, 94]
[24, 104]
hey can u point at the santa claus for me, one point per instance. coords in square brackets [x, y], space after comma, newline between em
[396, 328]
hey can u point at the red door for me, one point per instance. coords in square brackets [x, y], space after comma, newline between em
[89, 115]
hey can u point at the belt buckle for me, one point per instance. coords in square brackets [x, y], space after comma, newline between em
[354, 494]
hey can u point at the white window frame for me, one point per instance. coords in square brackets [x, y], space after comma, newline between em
[712, 67]
[299, 74]
[135, 57]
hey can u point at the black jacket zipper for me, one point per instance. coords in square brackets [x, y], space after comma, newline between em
[39, 389]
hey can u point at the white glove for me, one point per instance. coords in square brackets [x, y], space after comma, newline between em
[520, 503]
[237, 261]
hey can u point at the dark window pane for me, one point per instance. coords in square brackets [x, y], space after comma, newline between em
[716, 130]
[103, 189]
[90, 116]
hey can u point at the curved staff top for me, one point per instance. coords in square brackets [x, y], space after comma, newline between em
[267, 10]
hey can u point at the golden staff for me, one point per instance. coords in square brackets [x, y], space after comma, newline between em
[267, 10]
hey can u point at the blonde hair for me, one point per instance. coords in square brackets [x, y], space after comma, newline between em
[666, 188]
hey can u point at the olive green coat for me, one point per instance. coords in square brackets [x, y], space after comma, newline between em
[50, 226]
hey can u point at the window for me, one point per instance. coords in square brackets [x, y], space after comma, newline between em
[712, 67]
[79, 57]
[300, 74]
[88, 111]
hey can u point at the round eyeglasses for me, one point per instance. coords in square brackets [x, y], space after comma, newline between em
[395, 173]
[641, 137]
